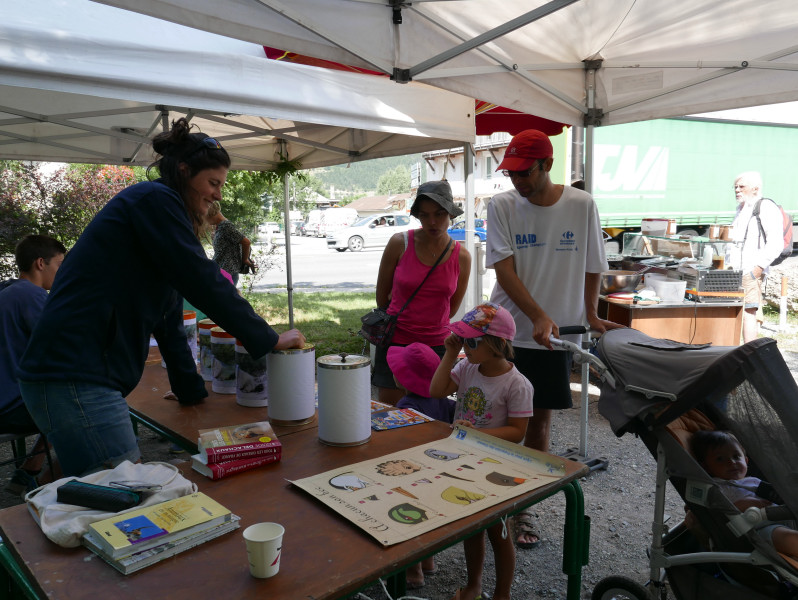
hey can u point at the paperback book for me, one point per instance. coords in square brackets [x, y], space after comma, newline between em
[397, 417]
[139, 560]
[229, 467]
[150, 526]
[238, 441]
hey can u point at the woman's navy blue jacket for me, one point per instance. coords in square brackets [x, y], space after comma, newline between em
[118, 283]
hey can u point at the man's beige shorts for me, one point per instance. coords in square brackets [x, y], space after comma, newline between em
[753, 294]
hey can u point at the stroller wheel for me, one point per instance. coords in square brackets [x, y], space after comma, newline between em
[619, 588]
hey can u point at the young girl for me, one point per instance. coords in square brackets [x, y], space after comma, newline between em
[493, 397]
[413, 367]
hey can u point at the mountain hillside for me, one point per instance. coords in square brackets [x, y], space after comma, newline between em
[361, 177]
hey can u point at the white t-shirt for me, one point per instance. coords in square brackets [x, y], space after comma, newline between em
[552, 247]
[488, 401]
[755, 252]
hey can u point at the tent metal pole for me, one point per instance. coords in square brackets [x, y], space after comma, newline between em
[471, 297]
[289, 283]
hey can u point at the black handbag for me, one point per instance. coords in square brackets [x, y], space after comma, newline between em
[377, 326]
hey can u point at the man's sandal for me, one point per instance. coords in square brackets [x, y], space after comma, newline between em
[526, 525]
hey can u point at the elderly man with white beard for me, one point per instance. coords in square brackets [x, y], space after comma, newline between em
[756, 247]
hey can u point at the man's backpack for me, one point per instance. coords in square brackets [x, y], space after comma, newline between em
[787, 230]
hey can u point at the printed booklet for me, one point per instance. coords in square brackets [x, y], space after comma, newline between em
[229, 467]
[397, 417]
[238, 441]
[150, 526]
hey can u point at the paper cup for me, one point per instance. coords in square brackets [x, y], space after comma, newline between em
[264, 546]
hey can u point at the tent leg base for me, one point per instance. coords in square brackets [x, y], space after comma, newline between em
[595, 463]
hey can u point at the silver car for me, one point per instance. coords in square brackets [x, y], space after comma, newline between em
[371, 232]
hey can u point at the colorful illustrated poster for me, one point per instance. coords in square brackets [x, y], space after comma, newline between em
[399, 496]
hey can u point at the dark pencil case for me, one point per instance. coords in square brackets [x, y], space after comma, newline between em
[100, 497]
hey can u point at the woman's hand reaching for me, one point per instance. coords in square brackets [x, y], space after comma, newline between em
[293, 338]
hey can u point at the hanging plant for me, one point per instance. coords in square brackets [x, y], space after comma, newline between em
[286, 167]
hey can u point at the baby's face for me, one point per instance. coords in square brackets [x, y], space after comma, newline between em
[726, 462]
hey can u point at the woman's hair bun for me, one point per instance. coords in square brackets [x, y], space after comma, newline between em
[176, 137]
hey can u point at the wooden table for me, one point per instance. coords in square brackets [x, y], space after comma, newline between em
[180, 424]
[719, 323]
[324, 556]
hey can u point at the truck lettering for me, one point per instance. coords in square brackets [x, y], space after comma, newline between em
[618, 168]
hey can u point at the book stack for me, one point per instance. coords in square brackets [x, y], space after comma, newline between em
[235, 448]
[144, 536]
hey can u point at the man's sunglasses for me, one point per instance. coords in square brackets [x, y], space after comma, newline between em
[472, 342]
[526, 173]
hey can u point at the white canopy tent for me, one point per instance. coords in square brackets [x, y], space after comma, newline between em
[574, 61]
[581, 62]
[82, 82]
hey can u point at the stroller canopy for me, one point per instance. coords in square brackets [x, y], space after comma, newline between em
[651, 373]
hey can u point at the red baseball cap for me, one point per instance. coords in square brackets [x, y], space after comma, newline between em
[524, 149]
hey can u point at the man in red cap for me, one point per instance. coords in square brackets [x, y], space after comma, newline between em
[545, 244]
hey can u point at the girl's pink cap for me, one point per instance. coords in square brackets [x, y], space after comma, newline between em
[488, 318]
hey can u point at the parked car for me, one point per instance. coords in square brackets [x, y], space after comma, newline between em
[457, 230]
[296, 227]
[300, 228]
[269, 228]
[371, 232]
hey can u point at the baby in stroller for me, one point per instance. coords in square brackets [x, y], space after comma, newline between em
[723, 457]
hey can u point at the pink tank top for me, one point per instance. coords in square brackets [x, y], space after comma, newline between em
[426, 318]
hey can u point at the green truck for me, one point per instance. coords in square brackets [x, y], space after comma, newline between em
[684, 169]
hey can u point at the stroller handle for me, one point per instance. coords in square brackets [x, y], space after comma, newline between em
[581, 355]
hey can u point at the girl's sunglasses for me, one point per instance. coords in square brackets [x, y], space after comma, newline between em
[472, 342]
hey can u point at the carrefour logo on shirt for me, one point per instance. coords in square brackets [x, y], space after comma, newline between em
[567, 242]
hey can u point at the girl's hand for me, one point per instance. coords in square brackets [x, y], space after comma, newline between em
[453, 343]
[463, 423]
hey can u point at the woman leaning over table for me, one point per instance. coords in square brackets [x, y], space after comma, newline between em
[88, 350]
[407, 259]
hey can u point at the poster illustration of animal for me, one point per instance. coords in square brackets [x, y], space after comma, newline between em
[401, 495]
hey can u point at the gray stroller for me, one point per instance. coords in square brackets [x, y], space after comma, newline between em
[663, 392]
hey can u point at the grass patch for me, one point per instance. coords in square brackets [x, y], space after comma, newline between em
[330, 321]
[787, 339]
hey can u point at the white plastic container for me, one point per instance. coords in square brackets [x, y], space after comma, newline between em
[656, 227]
[670, 290]
[650, 277]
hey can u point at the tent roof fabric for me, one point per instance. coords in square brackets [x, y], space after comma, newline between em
[573, 61]
[82, 82]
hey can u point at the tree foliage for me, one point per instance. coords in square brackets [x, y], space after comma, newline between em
[361, 178]
[396, 181]
[59, 204]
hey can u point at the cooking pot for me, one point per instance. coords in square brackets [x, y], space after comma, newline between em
[620, 281]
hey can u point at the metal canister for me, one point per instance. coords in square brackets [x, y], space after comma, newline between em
[190, 325]
[292, 385]
[251, 378]
[344, 399]
[224, 361]
[205, 354]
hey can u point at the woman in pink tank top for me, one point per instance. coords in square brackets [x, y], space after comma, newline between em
[407, 259]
